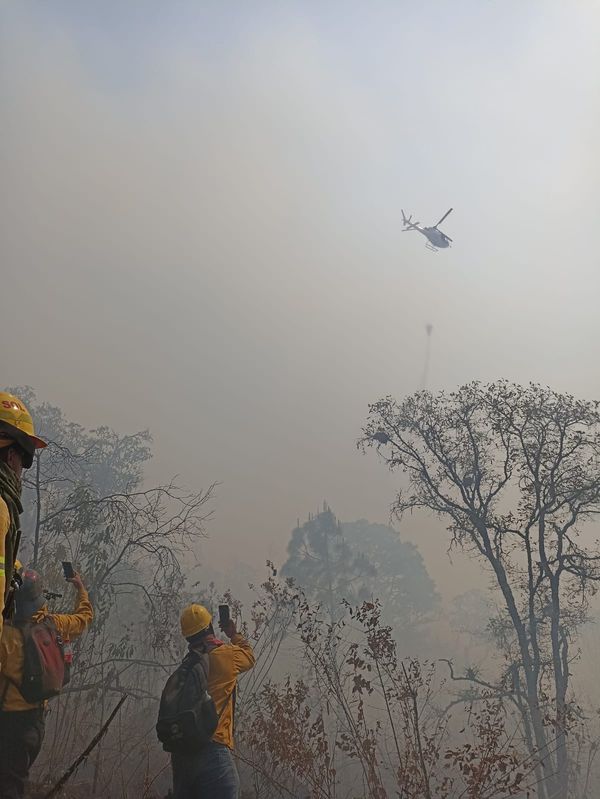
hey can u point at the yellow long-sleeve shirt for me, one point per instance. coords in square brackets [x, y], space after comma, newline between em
[68, 626]
[4, 527]
[226, 663]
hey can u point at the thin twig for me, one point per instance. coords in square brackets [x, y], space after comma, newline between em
[89, 748]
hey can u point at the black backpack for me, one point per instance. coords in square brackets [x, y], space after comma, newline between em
[187, 717]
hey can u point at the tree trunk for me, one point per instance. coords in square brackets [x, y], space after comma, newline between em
[546, 788]
[561, 677]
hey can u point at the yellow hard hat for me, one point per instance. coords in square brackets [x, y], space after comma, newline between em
[16, 424]
[194, 619]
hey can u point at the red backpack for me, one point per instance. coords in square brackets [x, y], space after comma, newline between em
[44, 672]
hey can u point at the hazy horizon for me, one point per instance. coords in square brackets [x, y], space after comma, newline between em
[201, 230]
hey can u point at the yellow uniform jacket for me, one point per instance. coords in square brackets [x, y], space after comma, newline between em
[226, 663]
[68, 626]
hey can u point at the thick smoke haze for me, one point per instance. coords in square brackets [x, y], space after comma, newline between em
[200, 225]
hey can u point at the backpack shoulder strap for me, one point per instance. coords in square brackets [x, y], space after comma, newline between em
[48, 621]
[201, 658]
[204, 659]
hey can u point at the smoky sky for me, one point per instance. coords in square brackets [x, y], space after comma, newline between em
[200, 226]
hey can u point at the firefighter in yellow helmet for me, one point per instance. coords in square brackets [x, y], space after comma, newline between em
[211, 771]
[24, 688]
[18, 443]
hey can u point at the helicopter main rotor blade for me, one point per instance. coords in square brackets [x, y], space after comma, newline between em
[442, 219]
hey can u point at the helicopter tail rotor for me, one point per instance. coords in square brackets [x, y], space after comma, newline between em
[407, 221]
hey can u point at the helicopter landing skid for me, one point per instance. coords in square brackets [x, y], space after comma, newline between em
[431, 247]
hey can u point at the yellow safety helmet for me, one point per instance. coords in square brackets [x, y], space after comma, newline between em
[16, 426]
[194, 619]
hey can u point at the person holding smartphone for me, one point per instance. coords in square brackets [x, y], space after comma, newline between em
[22, 723]
[211, 772]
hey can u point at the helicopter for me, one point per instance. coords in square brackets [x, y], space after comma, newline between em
[435, 238]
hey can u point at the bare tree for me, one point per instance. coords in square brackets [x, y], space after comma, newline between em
[88, 503]
[515, 473]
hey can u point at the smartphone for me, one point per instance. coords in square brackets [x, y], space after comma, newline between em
[223, 614]
[68, 570]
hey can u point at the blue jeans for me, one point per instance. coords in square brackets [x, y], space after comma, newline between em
[211, 774]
